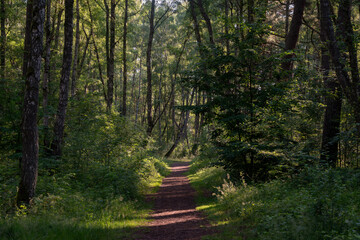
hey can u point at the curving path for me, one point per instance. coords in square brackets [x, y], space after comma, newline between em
[175, 216]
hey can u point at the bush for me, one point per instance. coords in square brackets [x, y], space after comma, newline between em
[317, 204]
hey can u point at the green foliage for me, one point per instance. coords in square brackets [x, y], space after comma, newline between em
[260, 123]
[316, 204]
[95, 191]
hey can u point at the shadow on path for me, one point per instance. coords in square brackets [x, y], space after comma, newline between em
[175, 216]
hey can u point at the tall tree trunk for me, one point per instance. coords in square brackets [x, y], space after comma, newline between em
[148, 66]
[76, 51]
[46, 75]
[30, 139]
[287, 17]
[111, 59]
[207, 21]
[124, 59]
[27, 41]
[139, 93]
[58, 24]
[251, 13]
[293, 35]
[80, 68]
[227, 42]
[182, 129]
[199, 43]
[346, 34]
[331, 125]
[348, 88]
[2, 39]
[64, 81]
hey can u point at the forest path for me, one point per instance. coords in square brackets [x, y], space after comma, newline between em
[175, 216]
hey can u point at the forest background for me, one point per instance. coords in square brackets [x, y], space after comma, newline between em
[95, 93]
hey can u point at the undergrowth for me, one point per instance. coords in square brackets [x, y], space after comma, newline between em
[315, 204]
[99, 202]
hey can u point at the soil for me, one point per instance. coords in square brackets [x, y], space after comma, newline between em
[175, 216]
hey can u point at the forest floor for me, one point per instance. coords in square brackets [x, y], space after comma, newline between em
[175, 216]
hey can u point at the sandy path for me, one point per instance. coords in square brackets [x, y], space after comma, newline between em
[175, 216]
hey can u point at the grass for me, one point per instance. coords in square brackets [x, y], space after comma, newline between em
[317, 204]
[97, 203]
[60, 227]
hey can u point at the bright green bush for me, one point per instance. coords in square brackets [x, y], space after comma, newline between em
[317, 204]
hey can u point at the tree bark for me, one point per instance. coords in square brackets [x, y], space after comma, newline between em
[2, 38]
[346, 34]
[207, 21]
[148, 69]
[46, 75]
[293, 35]
[251, 13]
[227, 42]
[111, 59]
[76, 51]
[58, 23]
[27, 40]
[64, 81]
[333, 101]
[30, 144]
[81, 66]
[182, 129]
[287, 17]
[124, 60]
[348, 88]
[139, 93]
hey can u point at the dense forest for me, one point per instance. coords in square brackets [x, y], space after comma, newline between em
[98, 97]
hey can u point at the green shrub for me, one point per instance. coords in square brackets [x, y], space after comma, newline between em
[318, 204]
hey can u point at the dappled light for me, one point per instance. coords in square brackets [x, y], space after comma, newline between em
[179, 119]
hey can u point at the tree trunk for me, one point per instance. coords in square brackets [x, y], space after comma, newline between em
[251, 13]
[348, 88]
[30, 151]
[124, 60]
[346, 34]
[76, 51]
[111, 59]
[139, 94]
[331, 125]
[148, 66]
[293, 35]
[207, 21]
[46, 75]
[27, 41]
[64, 81]
[182, 129]
[80, 68]
[58, 23]
[2, 39]
[227, 42]
[287, 17]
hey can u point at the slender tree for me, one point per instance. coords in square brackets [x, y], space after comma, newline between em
[348, 86]
[30, 140]
[148, 69]
[207, 21]
[123, 111]
[331, 124]
[292, 35]
[2, 38]
[27, 40]
[46, 75]
[111, 59]
[64, 81]
[74, 74]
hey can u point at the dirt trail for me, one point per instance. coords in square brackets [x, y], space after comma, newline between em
[175, 216]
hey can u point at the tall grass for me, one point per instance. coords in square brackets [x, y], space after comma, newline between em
[96, 202]
[314, 205]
